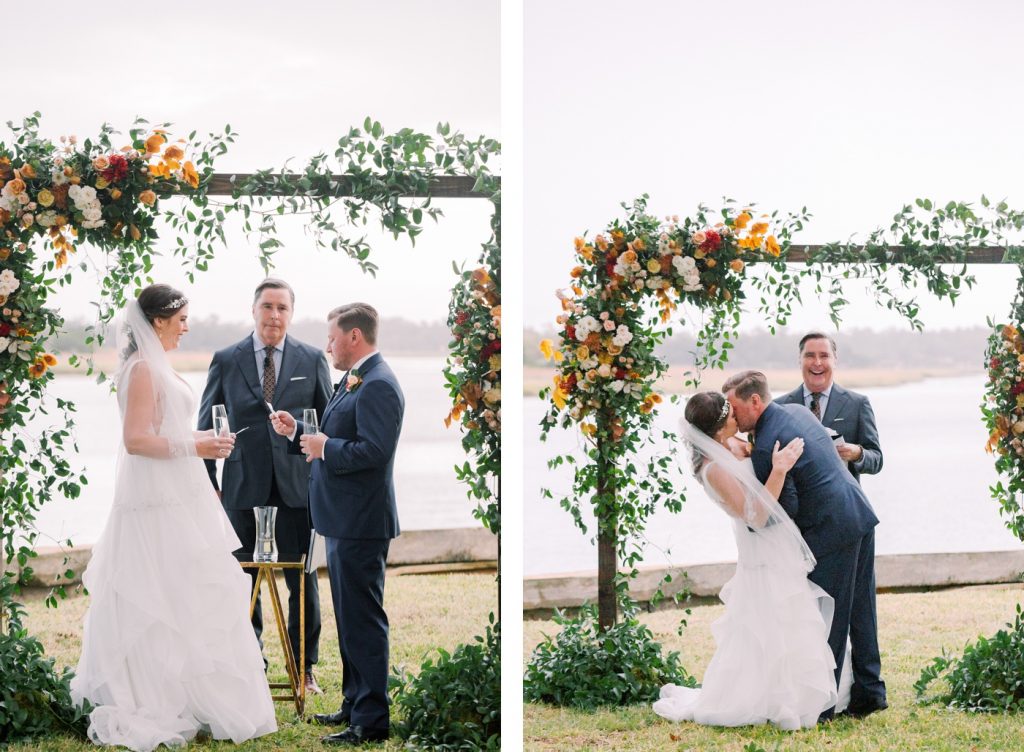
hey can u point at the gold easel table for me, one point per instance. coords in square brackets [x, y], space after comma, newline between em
[266, 571]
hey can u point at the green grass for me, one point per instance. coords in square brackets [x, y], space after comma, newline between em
[913, 627]
[425, 611]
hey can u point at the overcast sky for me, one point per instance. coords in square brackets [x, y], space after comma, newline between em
[290, 79]
[849, 109]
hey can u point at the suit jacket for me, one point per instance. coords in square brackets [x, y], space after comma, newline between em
[304, 381]
[352, 490]
[849, 414]
[819, 493]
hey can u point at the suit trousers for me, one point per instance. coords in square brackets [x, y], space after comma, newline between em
[848, 575]
[292, 532]
[356, 568]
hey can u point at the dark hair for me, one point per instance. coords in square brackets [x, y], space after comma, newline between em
[156, 302]
[361, 316]
[818, 335]
[272, 283]
[704, 412]
[160, 302]
[747, 384]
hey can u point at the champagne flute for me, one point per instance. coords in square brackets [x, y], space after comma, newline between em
[220, 421]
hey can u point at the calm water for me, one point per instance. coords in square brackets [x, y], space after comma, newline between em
[931, 496]
[429, 497]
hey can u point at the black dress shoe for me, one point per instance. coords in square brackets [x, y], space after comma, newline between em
[353, 736]
[338, 718]
[863, 709]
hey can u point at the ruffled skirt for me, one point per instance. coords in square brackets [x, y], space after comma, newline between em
[168, 649]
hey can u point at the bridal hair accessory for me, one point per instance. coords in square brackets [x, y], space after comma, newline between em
[176, 304]
[724, 414]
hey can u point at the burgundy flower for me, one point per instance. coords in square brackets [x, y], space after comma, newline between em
[118, 169]
[5, 328]
[570, 332]
[461, 317]
[713, 243]
[1017, 388]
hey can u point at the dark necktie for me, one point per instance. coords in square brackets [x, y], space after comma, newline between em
[816, 404]
[269, 377]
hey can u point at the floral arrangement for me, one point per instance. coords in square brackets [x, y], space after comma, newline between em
[1003, 411]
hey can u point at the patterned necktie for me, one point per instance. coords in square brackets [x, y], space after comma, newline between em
[269, 377]
[816, 404]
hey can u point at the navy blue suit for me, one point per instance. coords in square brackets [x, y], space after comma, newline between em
[850, 414]
[352, 503]
[261, 471]
[831, 511]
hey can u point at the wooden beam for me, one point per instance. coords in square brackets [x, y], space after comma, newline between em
[975, 255]
[447, 186]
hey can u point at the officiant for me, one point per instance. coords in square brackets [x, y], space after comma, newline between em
[268, 367]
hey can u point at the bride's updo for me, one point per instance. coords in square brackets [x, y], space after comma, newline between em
[157, 301]
[160, 302]
[707, 412]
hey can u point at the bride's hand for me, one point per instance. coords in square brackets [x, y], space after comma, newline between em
[784, 459]
[214, 447]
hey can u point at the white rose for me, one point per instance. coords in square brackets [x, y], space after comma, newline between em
[88, 193]
[93, 224]
[4, 342]
[616, 386]
[57, 177]
[27, 219]
[92, 212]
[23, 199]
[47, 219]
[75, 192]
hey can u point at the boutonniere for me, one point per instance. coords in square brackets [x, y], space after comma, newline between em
[353, 381]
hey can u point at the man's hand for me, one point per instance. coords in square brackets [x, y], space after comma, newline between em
[313, 445]
[739, 448]
[850, 452]
[283, 423]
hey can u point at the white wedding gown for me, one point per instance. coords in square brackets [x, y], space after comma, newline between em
[772, 663]
[168, 649]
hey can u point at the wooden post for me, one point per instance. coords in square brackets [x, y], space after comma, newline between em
[607, 532]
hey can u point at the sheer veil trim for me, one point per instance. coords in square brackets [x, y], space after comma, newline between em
[137, 342]
[761, 511]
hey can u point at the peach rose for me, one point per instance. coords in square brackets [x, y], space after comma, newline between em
[27, 171]
[154, 143]
[16, 186]
[101, 163]
[147, 197]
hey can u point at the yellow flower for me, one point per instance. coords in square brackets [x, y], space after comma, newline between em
[49, 360]
[759, 228]
[494, 362]
[44, 198]
[174, 153]
[629, 257]
[589, 429]
[772, 245]
[557, 395]
[101, 183]
[188, 171]
[587, 252]
[547, 347]
[653, 266]
[741, 221]
[582, 352]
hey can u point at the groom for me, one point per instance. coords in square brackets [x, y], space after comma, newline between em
[821, 496]
[352, 503]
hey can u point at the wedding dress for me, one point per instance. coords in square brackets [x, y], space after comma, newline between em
[167, 648]
[772, 662]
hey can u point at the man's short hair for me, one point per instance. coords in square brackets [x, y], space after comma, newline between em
[361, 316]
[818, 335]
[748, 383]
[272, 283]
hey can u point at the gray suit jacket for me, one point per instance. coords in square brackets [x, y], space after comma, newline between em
[849, 414]
[260, 453]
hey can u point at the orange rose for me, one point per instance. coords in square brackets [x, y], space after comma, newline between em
[27, 171]
[16, 186]
[741, 221]
[188, 171]
[135, 232]
[711, 263]
[772, 245]
[101, 163]
[4, 253]
[577, 272]
[174, 152]
[49, 360]
[759, 228]
[736, 265]
[154, 143]
[629, 257]
[37, 369]
[147, 197]
[115, 194]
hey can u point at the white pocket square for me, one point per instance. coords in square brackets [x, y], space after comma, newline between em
[296, 378]
[836, 420]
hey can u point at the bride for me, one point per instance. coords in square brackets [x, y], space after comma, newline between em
[772, 663]
[167, 647]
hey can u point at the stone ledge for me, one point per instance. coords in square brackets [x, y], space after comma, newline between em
[413, 548]
[892, 571]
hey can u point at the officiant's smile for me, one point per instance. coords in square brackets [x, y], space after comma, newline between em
[816, 362]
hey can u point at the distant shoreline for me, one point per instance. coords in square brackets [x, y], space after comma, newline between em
[181, 360]
[536, 378]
